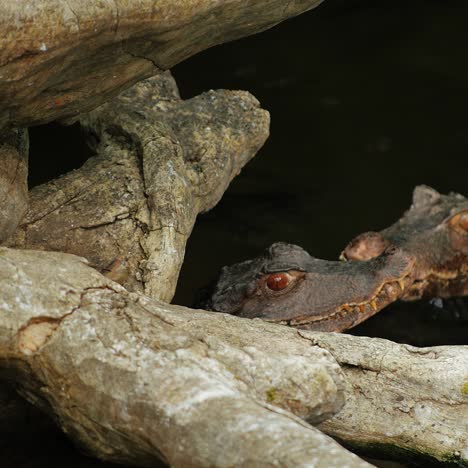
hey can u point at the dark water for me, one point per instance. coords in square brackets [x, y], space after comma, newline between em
[367, 100]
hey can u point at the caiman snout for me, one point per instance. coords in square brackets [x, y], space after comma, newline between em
[286, 285]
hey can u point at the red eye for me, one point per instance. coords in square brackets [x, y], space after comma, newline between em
[278, 281]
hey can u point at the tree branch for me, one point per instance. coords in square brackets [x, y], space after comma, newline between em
[402, 401]
[160, 162]
[59, 58]
[126, 380]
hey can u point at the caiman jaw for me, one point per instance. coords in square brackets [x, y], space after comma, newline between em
[388, 292]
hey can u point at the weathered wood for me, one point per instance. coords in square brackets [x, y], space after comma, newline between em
[160, 162]
[62, 57]
[402, 401]
[126, 378]
[13, 179]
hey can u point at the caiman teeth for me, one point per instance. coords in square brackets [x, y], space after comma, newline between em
[401, 283]
[373, 303]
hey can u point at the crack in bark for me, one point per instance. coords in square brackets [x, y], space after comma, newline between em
[116, 219]
[35, 334]
[63, 203]
[143, 57]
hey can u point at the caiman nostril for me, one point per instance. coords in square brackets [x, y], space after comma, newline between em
[365, 246]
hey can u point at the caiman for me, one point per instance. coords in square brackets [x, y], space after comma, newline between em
[423, 255]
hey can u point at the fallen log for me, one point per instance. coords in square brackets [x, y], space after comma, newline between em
[129, 384]
[59, 58]
[402, 402]
[134, 380]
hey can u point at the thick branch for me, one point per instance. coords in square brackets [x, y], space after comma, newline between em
[402, 401]
[160, 162]
[127, 376]
[127, 379]
[62, 57]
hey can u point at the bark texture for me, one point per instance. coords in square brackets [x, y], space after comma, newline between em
[402, 401]
[126, 376]
[136, 381]
[13, 179]
[160, 161]
[62, 57]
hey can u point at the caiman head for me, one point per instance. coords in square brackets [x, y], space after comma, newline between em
[424, 254]
[286, 285]
[434, 231]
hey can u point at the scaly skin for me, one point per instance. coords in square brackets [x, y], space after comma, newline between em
[424, 254]
[435, 232]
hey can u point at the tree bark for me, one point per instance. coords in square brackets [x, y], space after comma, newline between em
[160, 161]
[13, 179]
[126, 378]
[59, 58]
[134, 380]
[402, 401]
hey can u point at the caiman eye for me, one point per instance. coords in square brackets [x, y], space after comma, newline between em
[460, 222]
[278, 281]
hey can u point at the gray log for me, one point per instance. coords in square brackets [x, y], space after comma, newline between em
[402, 401]
[62, 57]
[126, 376]
[130, 384]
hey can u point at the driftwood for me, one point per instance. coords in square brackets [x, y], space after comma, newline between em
[160, 161]
[62, 57]
[126, 378]
[13, 179]
[403, 402]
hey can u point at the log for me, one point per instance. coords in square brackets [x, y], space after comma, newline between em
[129, 384]
[134, 380]
[160, 162]
[403, 402]
[14, 144]
[59, 58]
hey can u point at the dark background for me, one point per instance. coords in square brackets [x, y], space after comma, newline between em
[367, 100]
